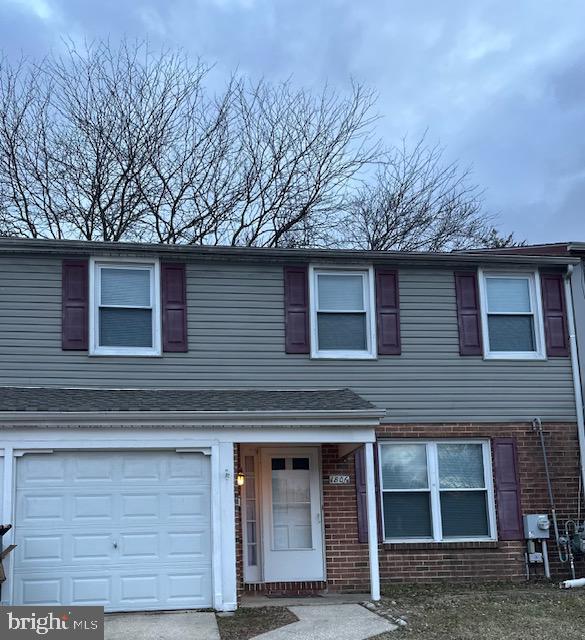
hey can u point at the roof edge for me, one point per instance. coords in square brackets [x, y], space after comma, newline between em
[223, 253]
[292, 418]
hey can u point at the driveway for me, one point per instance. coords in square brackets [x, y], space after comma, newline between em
[183, 625]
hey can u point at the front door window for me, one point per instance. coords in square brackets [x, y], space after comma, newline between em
[291, 503]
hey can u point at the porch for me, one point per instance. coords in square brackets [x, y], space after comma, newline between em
[307, 522]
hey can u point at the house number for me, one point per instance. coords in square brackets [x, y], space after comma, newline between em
[338, 479]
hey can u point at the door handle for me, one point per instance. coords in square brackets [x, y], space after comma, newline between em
[115, 543]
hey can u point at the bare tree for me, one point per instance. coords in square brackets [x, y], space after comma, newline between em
[418, 202]
[121, 143]
[127, 145]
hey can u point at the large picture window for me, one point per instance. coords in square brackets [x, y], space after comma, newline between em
[341, 314]
[125, 309]
[511, 316]
[436, 491]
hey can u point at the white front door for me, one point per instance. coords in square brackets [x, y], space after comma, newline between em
[126, 530]
[292, 519]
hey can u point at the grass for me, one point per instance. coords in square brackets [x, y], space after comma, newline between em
[486, 612]
[247, 623]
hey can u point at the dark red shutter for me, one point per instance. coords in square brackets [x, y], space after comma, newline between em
[555, 316]
[387, 312]
[296, 309]
[468, 313]
[361, 497]
[74, 305]
[507, 485]
[174, 307]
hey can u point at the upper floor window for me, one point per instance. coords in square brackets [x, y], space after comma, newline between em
[342, 310]
[437, 491]
[511, 315]
[125, 315]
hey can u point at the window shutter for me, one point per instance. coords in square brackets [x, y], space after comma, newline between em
[555, 316]
[361, 498]
[296, 309]
[74, 305]
[387, 312]
[507, 485]
[174, 307]
[468, 313]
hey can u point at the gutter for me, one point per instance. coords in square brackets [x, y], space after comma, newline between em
[576, 373]
[19, 246]
[366, 417]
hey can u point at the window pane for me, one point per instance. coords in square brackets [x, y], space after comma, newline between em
[511, 333]
[300, 464]
[249, 464]
[404, 466]
[464, 514]
[407, 515]
[252, 559]
[461, 466]
[508, 294]
[291, 509]
[341, 293]
[126, 287]
[278, 463]
[125, 327]
[342, 331]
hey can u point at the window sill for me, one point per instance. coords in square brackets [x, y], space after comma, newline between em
[447, 544]
[125, 354]
[515, 356]
[343, 356]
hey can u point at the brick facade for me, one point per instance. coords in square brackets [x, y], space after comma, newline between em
[347, 559]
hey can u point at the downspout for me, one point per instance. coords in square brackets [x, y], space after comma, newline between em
[576, 372]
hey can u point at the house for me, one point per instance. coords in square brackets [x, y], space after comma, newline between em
[180, 425]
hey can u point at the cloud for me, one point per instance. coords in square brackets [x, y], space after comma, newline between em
[501, 84]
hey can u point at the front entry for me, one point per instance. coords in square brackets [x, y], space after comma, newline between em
[292, 527]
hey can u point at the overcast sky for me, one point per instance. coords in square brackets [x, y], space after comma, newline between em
[501, 84]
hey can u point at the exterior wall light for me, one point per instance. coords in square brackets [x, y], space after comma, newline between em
[240, 479]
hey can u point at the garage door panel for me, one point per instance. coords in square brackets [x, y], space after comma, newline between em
[100, 543]
[41, 509]
[38, 590]
[40, 549]
[46, 470]
[96, 590]
[85, 548]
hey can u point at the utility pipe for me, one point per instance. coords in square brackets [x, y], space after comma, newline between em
[545, 559]
[572, 584]
[576, 372]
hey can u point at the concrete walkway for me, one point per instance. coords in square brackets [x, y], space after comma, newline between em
[333, 622]
[183, 625]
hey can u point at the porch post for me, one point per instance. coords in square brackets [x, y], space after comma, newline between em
[372, 521]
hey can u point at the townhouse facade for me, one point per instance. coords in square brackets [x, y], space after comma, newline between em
[180, 425]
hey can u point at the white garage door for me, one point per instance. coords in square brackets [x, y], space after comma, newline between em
[126, 530]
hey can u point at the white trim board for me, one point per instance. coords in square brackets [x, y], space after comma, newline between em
[217, 419]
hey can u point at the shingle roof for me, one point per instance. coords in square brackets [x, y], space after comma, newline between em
[56, 399]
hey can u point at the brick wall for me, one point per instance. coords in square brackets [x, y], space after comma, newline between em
[347, 559]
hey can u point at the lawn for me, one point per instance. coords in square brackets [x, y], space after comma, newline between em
[452, 612]
[486, 612]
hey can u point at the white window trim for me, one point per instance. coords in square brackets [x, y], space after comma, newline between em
[535, 302]
[433, 475]
[94, 281]
[371, 352]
